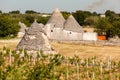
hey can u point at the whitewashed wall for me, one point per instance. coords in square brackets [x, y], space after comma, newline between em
[48, 29]
[56, 34]
[60, 34]
[64, 35]
[73, 36]
[90, 36]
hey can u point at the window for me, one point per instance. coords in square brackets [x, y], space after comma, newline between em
[51, 30]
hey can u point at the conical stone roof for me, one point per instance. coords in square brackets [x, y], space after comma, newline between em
[56, 19]
[72, 25]
[34, 39]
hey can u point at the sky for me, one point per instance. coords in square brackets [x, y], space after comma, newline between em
[47, 6]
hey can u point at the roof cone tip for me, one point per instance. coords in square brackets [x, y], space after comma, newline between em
[35, 20]
[71, 16]
[56, 10]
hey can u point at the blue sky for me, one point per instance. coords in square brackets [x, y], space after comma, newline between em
[99, 6]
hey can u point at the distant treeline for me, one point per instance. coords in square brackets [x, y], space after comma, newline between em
[108, 24]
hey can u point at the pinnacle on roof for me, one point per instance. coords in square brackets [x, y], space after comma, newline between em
[57, 10]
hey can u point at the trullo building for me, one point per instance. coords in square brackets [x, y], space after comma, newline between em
[54, 26]
[72, 30]
[35, 39]
[57, 28]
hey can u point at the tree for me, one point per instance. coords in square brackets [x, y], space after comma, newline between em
[111, 15]
[27, 19]
[94, 14]
[65, 14]
[42, 20]
[15, 12]
[104, 27]
[8, 27]
[116, 28]
[80, 16]
[30, 18]
[30, 12]
[92, 20]
[0, 11]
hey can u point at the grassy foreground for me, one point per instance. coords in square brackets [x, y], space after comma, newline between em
[28, 66]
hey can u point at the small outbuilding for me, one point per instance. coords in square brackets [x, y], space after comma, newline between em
[72, 30]
[54, 25]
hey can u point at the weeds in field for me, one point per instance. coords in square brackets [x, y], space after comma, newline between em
[23, 65]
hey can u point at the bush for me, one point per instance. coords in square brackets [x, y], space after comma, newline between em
[8, 26]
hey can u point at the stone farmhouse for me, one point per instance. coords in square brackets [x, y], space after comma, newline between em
[57, 28]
